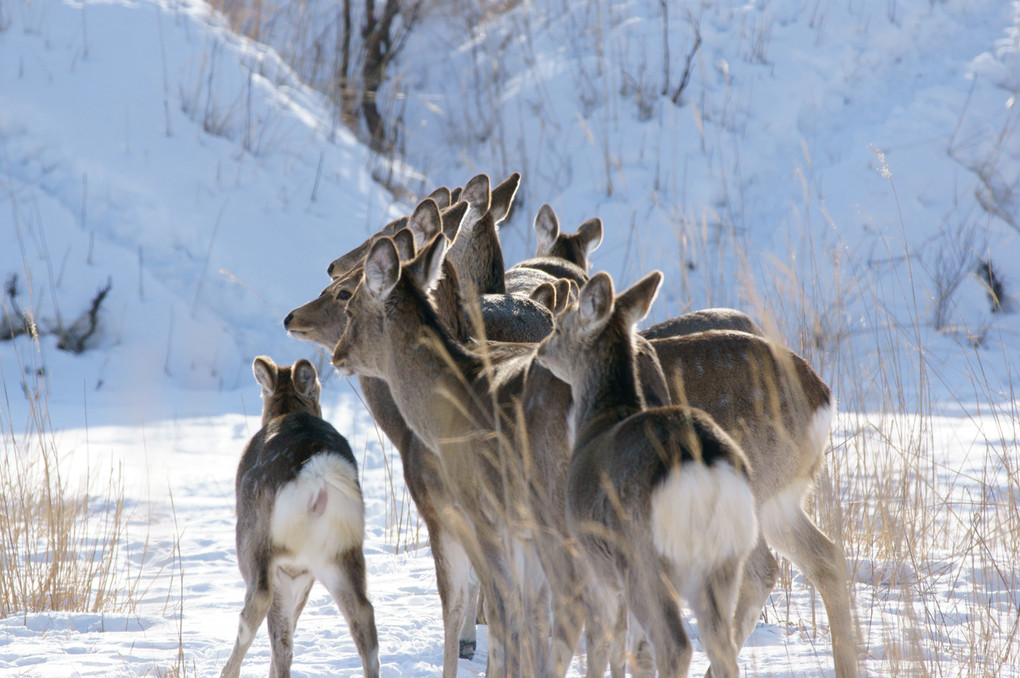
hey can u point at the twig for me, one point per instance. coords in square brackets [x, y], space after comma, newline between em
[688, 61]
[85, 326]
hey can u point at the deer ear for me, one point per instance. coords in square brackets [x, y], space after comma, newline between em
[544, 294]
[566, 292]
[382, 268]
[441, 196]
[452, 219]
[403, 240]
[265, 372]
[590, 235]
[503, 197]
[425, 222]
[635, 302]
[547, 229]
[595, 302]
[476, 192]
[305, 379]
[427, 267]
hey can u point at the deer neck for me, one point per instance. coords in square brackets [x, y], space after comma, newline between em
[279, 405]
[447, 302]
[609, 390]
[429, 373]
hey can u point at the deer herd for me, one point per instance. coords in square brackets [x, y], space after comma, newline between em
[576, 476]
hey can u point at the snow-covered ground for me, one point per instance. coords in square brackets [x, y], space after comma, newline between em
[835, 168]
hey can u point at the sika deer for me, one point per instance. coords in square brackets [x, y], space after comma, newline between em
[658, 499]
[463, 405]
[323, 321]
[300, 518]
[779, 411]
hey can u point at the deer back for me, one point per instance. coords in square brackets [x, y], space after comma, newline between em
[294, 442]
[554, 266]
[701, 321]
[764, 395]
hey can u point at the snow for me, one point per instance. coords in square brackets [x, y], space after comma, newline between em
[860, 154]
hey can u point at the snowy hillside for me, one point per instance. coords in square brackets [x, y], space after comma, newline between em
[839, 151]
[839, 170]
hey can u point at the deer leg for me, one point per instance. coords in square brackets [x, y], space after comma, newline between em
[567, 603]
[346, 583]
[653, 603]
[289, 596]
[713, 602]
[760, 573]
[257, 600]
[534, 606]
[458, 591]
[603, 609]
[457, 595]
[642, 660]
[791, 532]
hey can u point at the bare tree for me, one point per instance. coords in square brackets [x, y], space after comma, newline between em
[382, 45]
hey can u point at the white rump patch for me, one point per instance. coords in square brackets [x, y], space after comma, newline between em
[319, 514]
[702, 516]
[820, 427]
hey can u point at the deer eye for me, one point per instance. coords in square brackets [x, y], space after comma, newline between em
[343, 295]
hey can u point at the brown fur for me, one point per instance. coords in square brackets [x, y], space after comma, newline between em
[622, 452]
[278, 579]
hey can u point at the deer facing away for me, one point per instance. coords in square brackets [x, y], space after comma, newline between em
[300, 518]
[658, 499]
[820, 559]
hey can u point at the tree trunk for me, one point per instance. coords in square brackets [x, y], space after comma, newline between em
[347, 94]
[378, 52]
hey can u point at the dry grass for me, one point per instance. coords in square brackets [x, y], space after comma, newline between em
[64, 538]
[59, 540]
[926, 504]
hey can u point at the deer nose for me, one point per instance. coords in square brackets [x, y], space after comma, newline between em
[329, 271]
[286, 321]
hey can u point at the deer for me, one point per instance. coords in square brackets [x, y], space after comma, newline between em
[779, 412]
[559, 254]
[300, 518]
[448, 396]
[658, 499]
